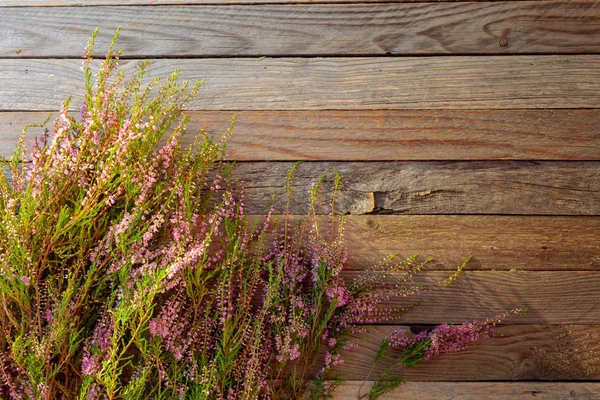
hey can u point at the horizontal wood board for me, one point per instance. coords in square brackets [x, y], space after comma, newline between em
[554, 297]
[502, 187]
[436, 187]
[508, 243]
[508, 27]
[382, 135]
[361, 83]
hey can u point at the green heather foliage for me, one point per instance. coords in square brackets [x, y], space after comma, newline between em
[128, 269]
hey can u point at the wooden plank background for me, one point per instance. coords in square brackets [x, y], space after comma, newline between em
[460, 129]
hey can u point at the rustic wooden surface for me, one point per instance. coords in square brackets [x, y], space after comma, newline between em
[500, 243]
[481, 119]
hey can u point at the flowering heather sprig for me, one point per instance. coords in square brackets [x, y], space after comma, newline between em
[411, 350]
[96, 348]
[447, 338]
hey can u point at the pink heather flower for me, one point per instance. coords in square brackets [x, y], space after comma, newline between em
[171, 326]
[48, 316]
[182, 390]
[295, 352]
[83, 112]
[25, 279]
[94, 391]
[339, 294]
[331, 360]
[350, 345]
[90, 364]
[451, 338]
[446, 338]
[97, 347]
[400, 339]
[326, 387]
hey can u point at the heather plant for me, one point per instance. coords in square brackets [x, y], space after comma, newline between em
[100, 223]
[129, 270]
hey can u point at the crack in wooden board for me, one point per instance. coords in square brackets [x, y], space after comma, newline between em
[436, 187]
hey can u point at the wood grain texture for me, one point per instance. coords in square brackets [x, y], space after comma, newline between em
[423, 28]
[554, 297]
[468, 82]
[494, 187]
[384, 135]
[480, 391]
[522, 352]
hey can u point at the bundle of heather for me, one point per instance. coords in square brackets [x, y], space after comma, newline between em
[129, 271]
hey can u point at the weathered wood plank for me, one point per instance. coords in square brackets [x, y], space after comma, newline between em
[522, 352]
[494, 187]
[494, 242]
[436, 187]
[563, 297]
[382, 135]
[554, 297]
[507, 27]
[480, 391]
[468, 82]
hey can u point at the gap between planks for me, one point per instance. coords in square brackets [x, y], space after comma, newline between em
[181, 3]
